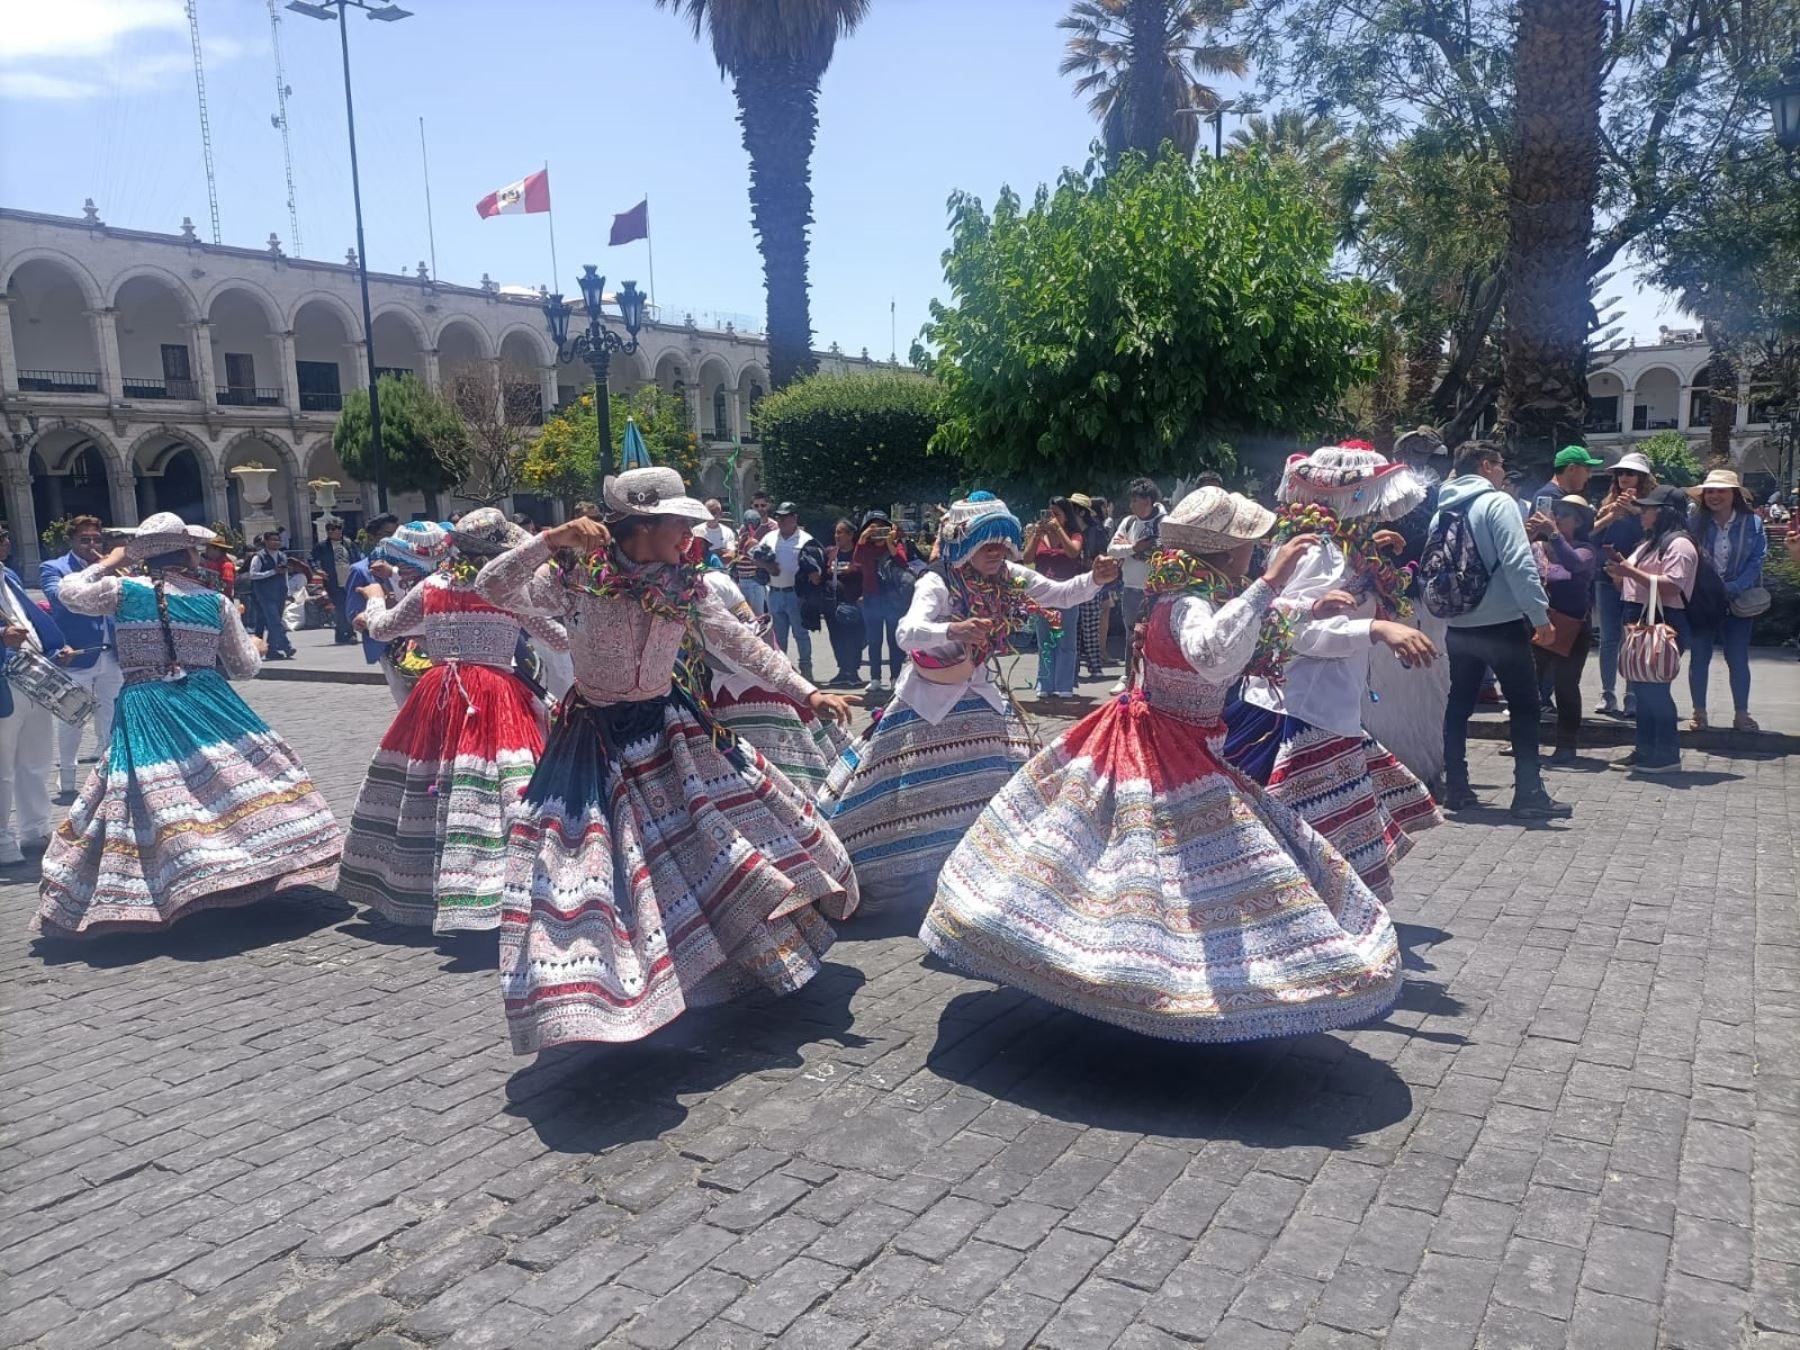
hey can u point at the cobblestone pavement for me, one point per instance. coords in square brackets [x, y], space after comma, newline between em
[294, 1127]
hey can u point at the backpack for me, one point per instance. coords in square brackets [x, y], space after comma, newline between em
[895, 579]
[1708, 605]
[1452, 577]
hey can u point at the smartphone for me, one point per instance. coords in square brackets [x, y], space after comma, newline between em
[1544, 503]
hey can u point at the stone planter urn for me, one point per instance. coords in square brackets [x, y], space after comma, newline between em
[324, 491]
[256, 497]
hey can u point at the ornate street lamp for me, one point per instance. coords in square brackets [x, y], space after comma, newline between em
[596, 346]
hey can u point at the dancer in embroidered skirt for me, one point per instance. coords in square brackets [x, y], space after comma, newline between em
[398, 563]
[660, 864]
[1303, 736]
[196, 804]
[790, 735]
[427, 842]
[1128, 874]
[902, 796]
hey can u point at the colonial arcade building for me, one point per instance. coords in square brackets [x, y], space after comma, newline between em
[137, 370]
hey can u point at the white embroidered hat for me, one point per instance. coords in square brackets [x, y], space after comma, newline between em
[1354, 480]
[165, 532]
[1212, 520]
[652, 492]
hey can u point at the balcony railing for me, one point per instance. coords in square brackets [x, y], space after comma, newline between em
[1601, 426]
[321, 402]
[245, 397]
[136, 388]
[59, 381]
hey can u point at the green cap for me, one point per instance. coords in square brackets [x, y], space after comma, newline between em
[1576, 454]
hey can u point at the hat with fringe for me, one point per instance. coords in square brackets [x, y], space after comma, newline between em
[977, 519]
[419, 544]
[485, 533]
[1212, 520]
[165, 532]
[1353, 479]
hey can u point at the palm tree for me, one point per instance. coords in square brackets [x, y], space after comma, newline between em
[776, 52]
[1141, 63]
[1316, 142]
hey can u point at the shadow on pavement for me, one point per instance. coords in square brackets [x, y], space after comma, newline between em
[589, 1098]
[1688, 778]
[895, 919]
[210, 935]
[1305, 1090]
[463, 952]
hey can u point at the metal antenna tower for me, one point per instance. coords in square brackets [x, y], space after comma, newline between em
[280, 120]
[212, 185]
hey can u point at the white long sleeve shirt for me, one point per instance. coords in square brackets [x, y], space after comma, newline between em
[926, 627]
[1327, 680]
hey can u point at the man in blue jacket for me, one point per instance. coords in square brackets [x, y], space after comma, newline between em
[1496, 634]
[95, 666]
[24, 726]
[355, 602]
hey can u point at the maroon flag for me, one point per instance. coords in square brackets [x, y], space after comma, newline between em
[632, 224]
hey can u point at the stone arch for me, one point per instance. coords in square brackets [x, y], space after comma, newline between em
[288, 496]
[153, 316]
[752, 386]
[1657, 390]
[77, 467]
[718, 399]
[515, 334]
[165, 432]
[173, 470]
[245, 327]
[328, 360]
[464, 333]
[354, 496]
[190, 305]
[52, 300]
[347, 316]
[627, 372]
[401, 342]
[271, 310]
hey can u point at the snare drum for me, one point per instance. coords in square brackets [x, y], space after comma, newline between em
[46, 684]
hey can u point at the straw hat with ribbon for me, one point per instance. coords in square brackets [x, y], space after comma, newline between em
[1722, 478]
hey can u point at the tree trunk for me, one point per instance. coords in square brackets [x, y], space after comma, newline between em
[1554, 167]
[778, 108]
[1721, 381]
[1149, 112]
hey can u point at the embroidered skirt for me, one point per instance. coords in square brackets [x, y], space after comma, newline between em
[196, 805]
[427, 842]
[790, 735]
[902, 796]
[653, 872]
[1349, 789]
[1129, 876]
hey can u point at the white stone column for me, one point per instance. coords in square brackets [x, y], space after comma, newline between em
[203, 361]
[359, 367]
[22, 512]
[1741, 411]
[218, 497]
[1684, 398]
[290, 371]
[9, 358]
[497, 381]
[106, 343]
[431, 368]
[122, 488]
[548, 387]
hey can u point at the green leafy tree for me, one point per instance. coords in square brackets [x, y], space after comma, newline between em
[1131, 322]
[776, 53]
[560, 461]
[1143, 66]
[856, 440]
[1672, 457]
[422, 439]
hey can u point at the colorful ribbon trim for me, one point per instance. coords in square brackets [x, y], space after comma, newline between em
[1371, 571]
[1176, 572]
[669, 592]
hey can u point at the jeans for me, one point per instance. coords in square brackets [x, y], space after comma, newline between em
[846, 642]
[784, 604]
[881, 618]
[344, 632]
[103, 680]
[1504, 648]
[1564, 675]
[1132, 606]
[1656, 720]
[1608, 609]
[1056, 665]
[756, 595]
[271, 599]
[1734, 636]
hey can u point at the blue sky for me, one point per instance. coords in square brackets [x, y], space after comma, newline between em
[97, 99]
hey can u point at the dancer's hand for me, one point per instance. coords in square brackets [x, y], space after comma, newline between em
[834, 706]
[1391, 540]
[113, 561]
[261, 645]
[381, 569]
[371, 592]
[1282, 562]
[581, 534]
[1333, 603]
[1412, 647]
[13, 635]
[968, 630]
[1106, 570]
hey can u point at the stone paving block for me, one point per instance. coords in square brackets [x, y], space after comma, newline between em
[348, 1324]
[1626, 1261]
[763, 1250]
[1520, 1329]
[1007, 1320]
[1095, 1314]
[592, 1319]
[1610, 1322]
[543, 1208]
[1552, 1215]
[1704, 1314]
[1020, 1224]
[775, 1303]
[1392, 1238]
[1540, 1277]
[910, 1325]
[856, 1241]
[1277, 1299]
[584, 1226]
[424, 1279]
[881, 1284]
[1144, 1259]
[1361, 1298]
[468, 1298]
[960, 1285]
[757, 1203]
[819, 1330]
[1059, 1263]
[938, 1232]
[1187, 1207]
[1712, 1250]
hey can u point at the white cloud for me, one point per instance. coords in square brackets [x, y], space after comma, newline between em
[52, 48]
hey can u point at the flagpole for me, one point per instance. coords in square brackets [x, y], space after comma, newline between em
[650, 247]
[430, 227]
[555, 271]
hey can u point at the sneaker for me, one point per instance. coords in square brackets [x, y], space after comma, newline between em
[1744, 722]
[1119, 687]
[1670, 766]
[10, 856]
[1626, 761]
[1461, 799]
[1539, 805]
[1630, 708]
[1609, 706]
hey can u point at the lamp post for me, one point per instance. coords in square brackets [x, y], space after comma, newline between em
[386, 13]
[596, 346]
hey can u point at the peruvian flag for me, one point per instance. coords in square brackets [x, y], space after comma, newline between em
[528, 196]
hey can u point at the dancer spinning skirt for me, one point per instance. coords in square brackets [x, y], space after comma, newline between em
[790, 735]
[427, 842]
[196, 804]
[1128, 874]
[1301, 732]
[660, 864]
[902, 796]
[405, 558]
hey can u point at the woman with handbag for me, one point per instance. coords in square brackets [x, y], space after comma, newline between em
[1656, 581]
[1571, 563]
[1617, 526]
[1730, 536]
